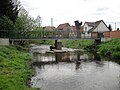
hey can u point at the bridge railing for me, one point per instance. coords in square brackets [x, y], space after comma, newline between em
[42, 34]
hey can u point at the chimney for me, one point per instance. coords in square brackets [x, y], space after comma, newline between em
[51, 21]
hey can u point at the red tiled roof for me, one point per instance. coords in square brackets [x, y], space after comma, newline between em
[50, 28]
[63, 26]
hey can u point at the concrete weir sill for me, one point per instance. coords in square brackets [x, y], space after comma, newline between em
[4, 41]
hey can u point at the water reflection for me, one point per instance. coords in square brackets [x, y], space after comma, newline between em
[74, 71]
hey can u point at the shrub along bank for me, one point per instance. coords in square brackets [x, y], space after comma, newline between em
[110, 48]
[14, 68]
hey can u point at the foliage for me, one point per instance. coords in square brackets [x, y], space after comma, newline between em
[5, 26]
[38, 21]
[10, 9]
[6, 23]
[110, 27]
[23, 27]
[24, 22]
[112, 46]
[14, 69]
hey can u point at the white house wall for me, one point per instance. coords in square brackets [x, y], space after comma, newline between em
[86, 34]
[88, 28]
[101, 28]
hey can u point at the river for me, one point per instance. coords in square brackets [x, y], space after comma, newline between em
[73, 70]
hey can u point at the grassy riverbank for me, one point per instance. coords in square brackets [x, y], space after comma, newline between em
[14, 68]
[110, 48]
[79, 44]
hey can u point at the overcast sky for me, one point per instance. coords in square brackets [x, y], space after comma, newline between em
[63, 11]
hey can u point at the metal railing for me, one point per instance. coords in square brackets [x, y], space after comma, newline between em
[43, 34]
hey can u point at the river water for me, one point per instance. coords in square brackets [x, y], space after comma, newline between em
[73, 70]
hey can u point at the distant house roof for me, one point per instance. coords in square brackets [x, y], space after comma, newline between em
[49, 28]
[94, 25]
[90, 24]
[63, 26]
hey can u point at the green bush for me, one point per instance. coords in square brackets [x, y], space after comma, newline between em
[116, 55]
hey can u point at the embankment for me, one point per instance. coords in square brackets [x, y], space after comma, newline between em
[14, 68]
[110, 48]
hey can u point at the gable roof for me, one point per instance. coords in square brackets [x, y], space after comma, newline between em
[63, 26]
[90, 24]
[94, 25]
[50, 28]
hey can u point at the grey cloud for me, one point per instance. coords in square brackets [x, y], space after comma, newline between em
[99, 13]
[28, 6]
[102, 9]
[85, 0]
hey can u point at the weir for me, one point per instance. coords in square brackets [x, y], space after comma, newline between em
[58, 45]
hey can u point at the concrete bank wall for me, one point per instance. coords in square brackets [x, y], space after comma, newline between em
[4, 41]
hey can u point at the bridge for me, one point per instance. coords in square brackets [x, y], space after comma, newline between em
[23, 35]
[43, 35]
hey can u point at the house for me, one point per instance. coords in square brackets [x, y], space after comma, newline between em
[68, 31]
[49, 28]
[64, 26]
[94, 29]
[64, 29]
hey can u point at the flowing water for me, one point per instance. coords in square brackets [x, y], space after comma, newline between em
[73, 70]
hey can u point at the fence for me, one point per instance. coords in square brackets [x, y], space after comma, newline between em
[112, 34]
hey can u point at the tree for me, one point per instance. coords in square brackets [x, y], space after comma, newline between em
[110, 27]
[24, 21]
[23, 26]
[38, 21]
[5, 25]
[9, 8]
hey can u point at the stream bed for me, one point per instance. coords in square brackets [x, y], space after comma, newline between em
[73, 70]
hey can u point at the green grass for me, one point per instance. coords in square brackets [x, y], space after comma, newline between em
[78, 44]
[66, 43]
[112, 46]
[45, 42]
[14, 69]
